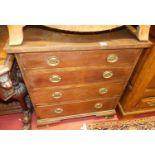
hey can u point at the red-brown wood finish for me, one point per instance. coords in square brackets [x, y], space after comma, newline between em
[142, 84]
[42, 96]
[42, 78]
[78, 63]
[79, 58]
[67, 109]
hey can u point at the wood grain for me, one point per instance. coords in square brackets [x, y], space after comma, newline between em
[126, 57]
[82, 59]
[78, 92]
[75, 108]
[72, 76]
[84, 28]
[3, 39]
[16, 34]
[41, 40]
[142, 85]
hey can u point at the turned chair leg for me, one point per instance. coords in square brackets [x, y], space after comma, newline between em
[27, 115]
[20, 95]
[27, 118]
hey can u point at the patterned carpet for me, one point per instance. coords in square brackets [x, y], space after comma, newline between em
[147, 123]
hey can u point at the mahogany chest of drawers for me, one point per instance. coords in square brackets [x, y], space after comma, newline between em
[74, 75]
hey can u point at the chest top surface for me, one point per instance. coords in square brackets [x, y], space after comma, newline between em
[43, 39]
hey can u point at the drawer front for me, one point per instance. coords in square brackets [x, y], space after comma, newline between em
[148, 102]
[93, 91]
[75, 108]
[148, 93]
[122, 57]
[57, 77]
[152, 84]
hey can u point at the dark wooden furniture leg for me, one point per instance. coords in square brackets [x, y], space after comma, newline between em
[11, 84]
[12, 87]
[21, 95]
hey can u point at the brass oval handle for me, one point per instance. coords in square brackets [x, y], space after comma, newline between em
[107, 74]
[98, 105]
[103, 91]
[58, 110]
[55, 78]
[57, 95]
[53, 61]
[112, 58]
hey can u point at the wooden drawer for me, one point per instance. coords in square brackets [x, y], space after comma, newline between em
[122, 57]
[148, 102]
[80, 92]
[152, 84]
[75, 108]
[57, 77]
[148, 93]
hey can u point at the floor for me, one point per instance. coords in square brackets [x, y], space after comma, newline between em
[14, 122]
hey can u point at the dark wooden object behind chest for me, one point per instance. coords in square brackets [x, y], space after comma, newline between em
[6, 88]
[75, 75]
[142, 84]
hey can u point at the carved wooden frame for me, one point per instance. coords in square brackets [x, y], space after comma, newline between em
[14, 89]
[5, 81]
[16, 35]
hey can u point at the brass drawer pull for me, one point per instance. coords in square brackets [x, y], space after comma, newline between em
[57, 95]
[103, 91]
[98, 105]
[53, 61]
[112, 58]
[107, 74]
[58, 110]
[55, 78]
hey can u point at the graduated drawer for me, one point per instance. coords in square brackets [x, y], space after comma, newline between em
[79, 58]
[146, 102]
[80, 92]
[57, 77]
[149, 92]
[152, 84]
[75, 108]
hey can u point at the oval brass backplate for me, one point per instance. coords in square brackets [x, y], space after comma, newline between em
[103, 91]
[98, 105]
[55, 78]
[112, 58]
[107, 74]
[57, 95]
[58, 110]
[53, 61]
